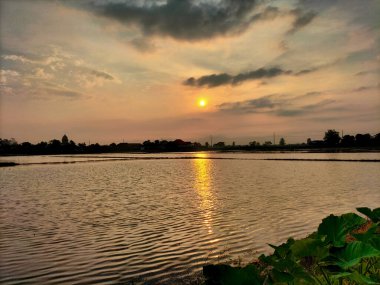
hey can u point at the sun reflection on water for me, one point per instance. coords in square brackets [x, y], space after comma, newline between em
[202, 184]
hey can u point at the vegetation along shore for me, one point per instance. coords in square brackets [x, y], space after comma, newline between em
[344, 250]
[332, 142]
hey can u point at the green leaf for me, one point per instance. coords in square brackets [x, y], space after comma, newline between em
[227, 275]
[282, 277]
[375, 242]
[374, 215]
[282, 250]
[368, 235]
[335, 228]
[340, 275]
[353, 253]
[309, 247]
[360, 279]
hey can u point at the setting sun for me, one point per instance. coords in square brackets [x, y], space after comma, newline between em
[202, 103]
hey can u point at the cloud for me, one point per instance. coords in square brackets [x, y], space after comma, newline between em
[366, 88]
[366, 72]
[249, 106]
[180, 19]
[301, 19]
[102, 74]
[190, 20]
[142, 44]
[19, 58]
[215, 80]
[62, 92]
[277, 104]
[41, 74]
[306, 109]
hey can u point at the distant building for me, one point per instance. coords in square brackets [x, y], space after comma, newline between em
[65, 139]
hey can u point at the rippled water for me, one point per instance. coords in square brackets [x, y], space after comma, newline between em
[153, 220]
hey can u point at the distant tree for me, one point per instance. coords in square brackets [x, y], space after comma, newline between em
[65, 139]
[332, 138]
[254, 143]
[268, 143]
[363, 140]
[219, 144]
[348, 140]
[308, 141]
[282, 142]
[55, 143]
[377, 139]
[206, 144]
[233, 143]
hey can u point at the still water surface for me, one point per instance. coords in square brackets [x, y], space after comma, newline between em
[153, 220]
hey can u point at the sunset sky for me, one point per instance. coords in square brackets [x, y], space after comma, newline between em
[114, 70]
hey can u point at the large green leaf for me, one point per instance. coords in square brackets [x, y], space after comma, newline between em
[227, 275]
[354, 276]
[374, 215]
[283, 250]
[368, 235]
[360, 278]
[352, 254]
[375, 242]
[281, 277]
[309, 247]
[334, 229]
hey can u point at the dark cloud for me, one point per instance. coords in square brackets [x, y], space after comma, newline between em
[249, 106]
[102, 74]
[214, 80]
[269, 13]
[366, 72]
[301, 19]
[142, 44]
[306, 71]
[189, 20]
[62, 92]
[279, 105]
[180, 19]
[366, 88]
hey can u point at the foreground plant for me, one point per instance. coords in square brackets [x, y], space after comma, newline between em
[344, 250]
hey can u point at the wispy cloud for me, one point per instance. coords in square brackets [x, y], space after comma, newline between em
[102, 74]
[214, 80]
[55, 91]
[301, 19]
[276, 104]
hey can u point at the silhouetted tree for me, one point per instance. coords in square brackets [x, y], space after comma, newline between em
[332, 138]
[363, 140]
[377, 139]
[282, 142]
[348, 140]
[65, 139]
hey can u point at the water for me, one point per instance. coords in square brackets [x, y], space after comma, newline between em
[153, 220]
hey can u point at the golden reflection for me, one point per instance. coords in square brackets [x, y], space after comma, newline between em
[202, 181]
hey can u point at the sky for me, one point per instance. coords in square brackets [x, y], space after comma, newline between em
[130, 70]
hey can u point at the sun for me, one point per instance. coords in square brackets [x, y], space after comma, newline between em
[202, 103]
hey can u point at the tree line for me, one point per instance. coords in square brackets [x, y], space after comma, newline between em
[332, 139]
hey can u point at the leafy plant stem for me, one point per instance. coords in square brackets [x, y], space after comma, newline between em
[324, 275]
